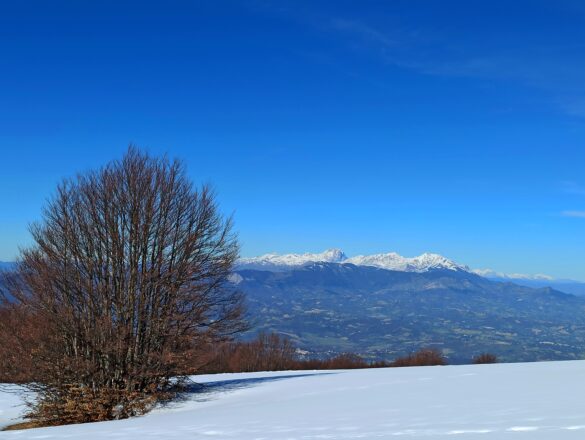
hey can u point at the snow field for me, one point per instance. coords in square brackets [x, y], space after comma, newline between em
[503, 401]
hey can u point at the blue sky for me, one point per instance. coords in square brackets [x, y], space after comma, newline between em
[453, 127]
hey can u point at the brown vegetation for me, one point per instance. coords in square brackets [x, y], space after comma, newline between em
[485, 358]
[122, 291]
[424, 357]
[272, 352]
[343, 361]
[268, 352]
[22, 425]
[20, 333]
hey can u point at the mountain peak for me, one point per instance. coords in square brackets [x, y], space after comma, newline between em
[333, 255]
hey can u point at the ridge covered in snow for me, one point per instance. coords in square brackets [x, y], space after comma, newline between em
[390, 261]
[489, 273]
[394, 261]
[276, 262]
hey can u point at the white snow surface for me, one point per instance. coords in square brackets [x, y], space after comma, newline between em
[502, 401]
[11, 404]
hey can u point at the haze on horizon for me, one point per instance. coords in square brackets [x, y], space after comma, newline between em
[453, 127]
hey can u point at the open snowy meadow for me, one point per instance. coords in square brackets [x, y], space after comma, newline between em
[502, 401]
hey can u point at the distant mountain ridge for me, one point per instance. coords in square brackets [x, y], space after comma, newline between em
[393, 261]
[6, 265]
[385, 305]
[389, 261]
[328, 308]
[567, 286]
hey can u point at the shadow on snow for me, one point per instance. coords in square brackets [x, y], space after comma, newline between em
[203, 392]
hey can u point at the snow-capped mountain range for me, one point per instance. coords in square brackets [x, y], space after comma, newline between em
[394, 261]
[389, 261]
[277, 262]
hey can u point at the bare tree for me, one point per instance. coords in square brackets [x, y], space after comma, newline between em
[128, 275]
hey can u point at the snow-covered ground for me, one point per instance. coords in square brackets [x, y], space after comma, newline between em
[10, 405]
[506, 401]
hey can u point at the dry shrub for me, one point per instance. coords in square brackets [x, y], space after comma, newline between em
[344, 361]
[268, 352]
[485, 358]
[424, 357]
[20, 334]
[272, 352]
[83, 404]
[125, 285]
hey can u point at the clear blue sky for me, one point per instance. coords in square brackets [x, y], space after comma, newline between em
[455, 127]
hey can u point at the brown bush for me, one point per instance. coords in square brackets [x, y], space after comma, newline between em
[424, 357]
[20, 333]
[268, 352]
[126, 282]
[485, 358]
[271, 352]
[77, 404]
[344, 361]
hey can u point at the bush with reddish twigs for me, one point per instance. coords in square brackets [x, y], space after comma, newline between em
[421, 358]
[268, 352]
[20, 333]
[272, 352]
[485, 358]
[343, 361]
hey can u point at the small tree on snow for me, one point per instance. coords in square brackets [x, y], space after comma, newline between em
[127, 275]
